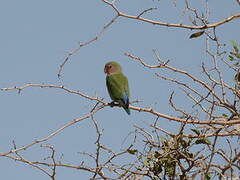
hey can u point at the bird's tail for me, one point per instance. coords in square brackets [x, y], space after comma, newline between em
[127, 110]
[125, 104]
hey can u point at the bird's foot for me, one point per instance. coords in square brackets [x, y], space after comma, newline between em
[111, 104]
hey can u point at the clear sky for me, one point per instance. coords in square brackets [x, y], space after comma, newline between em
[34, 39]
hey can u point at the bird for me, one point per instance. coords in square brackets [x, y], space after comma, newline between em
[117, 85]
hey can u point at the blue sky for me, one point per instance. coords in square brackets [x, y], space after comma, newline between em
[34, 39]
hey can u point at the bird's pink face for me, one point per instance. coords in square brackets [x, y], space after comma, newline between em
[109, 69]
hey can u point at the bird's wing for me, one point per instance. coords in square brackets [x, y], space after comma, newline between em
[117, 85]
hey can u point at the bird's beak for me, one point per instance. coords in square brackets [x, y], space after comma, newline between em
[105, 70]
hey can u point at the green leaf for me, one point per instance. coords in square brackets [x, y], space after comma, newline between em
[208, 176]
[132, 151]
[234, 43]
[196, 131]
[225, 115]
[157, 169]
[203, 141]
[236, 49]
[170, 167]
[236, 64]
[237, 55]
[184, 143]
[196, 35]
[146, 162]
[230, 58]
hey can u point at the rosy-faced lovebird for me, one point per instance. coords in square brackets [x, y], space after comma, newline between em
[117, 85]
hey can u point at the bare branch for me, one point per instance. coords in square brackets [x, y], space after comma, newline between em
[75, 51]
[53, 133]
[139, 18]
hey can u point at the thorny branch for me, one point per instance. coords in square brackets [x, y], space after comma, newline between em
[219, 121]
[75, 51]
[140, 18]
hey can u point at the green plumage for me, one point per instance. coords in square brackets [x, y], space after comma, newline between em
[117, 85]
